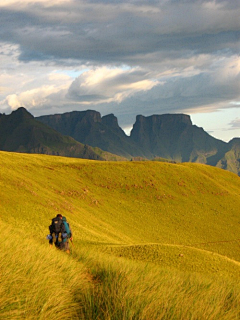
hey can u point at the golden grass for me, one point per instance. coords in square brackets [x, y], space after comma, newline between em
[179, 257]
[37, 283]
[152, 240]
[129, 290]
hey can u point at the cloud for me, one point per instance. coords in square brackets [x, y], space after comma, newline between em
[13, 3]
[235, 124]
[119, 32]
[122, 57]
[109, 85]
[31, 98]
[187, 92]
[34, 94]
[13, 101]
[129, 91]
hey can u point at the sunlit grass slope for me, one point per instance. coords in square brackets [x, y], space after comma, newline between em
[36, 283]
[152, 240]
[41, 283]
[124, 202]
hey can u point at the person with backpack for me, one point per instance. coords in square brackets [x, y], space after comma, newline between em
[60, 226]
[56, 228]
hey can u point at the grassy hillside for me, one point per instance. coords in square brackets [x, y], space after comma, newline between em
[153, 240]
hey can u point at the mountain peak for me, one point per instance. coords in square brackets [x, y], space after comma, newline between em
[110, 120]
[21, 113]
[91, 115]
[234, 142]
[166, 118]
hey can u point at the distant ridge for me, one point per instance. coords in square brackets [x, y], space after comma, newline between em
[21, 132]
[85, 134]
[169, 136]
[90, 128]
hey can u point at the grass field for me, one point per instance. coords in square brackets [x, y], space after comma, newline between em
[152, 240]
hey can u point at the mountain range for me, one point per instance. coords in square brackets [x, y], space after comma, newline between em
[85, 134]
[168, 136]
[21, 132]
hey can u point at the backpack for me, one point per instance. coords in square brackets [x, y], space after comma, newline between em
[67, 230]
[57, 226]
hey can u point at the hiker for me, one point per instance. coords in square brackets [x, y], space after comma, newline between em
[60, 226]
[55, 229]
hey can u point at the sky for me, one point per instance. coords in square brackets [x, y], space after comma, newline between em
[128, 58]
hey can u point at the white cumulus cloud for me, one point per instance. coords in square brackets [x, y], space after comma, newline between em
[109, 85]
